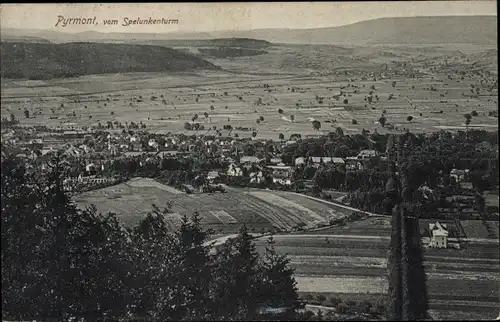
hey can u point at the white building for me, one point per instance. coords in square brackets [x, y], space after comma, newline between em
[249, 159]
[234, 171]
[459, 175]
[90, 167]
[36, 141]
[282, 172]
[256, 177]
[275, 161]
[439, 235]
[318, 160]
[285, 182]
[367, 154]
[353, 163]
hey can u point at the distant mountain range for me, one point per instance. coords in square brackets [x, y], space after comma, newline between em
[480, 30]
[408, 30]
[27, 39]
[45, 61]
[218, 42]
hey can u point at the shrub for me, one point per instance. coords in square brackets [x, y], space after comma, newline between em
[321, 298]
[374, 311]
[343, 308]
[335, 301]
[364, 306]
[308, 297]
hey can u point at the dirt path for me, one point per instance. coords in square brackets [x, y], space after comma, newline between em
[361, 237]
[339, 205]
[223, 239]
[316, 308]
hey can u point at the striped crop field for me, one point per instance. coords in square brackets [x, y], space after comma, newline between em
[260, 210]
[350, 263]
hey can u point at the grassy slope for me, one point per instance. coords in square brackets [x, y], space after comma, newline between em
[132, 200]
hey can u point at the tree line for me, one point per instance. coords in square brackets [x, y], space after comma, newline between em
[59, 262]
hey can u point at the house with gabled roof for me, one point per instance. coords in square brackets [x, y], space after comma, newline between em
[367, 154]
[249, 159]
[212, 175]
[256, 177]
[439, 235]
[318, 160]
[234, 170]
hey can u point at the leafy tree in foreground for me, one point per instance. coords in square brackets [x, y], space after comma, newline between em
[62, 263]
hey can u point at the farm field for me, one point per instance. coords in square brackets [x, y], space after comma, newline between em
[294, 81]
[372, 226]
[333, 212]
[491, 199]
[306, 83]
[461, 283]
[343, 261]
[261, 210]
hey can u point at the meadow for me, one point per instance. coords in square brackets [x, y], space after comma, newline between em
[304, 83]
[260, 210]
[248, 88]
[346, 262]
[343, 265]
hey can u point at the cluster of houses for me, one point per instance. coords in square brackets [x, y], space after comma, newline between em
[98, 147]
[282, 173]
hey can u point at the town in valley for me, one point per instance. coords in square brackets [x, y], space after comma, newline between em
[368, 167]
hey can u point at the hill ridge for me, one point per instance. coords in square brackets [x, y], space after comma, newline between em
[45, 60]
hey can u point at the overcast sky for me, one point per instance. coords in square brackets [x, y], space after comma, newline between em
[230, 16]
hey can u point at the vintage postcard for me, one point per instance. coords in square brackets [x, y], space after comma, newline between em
[250, 161]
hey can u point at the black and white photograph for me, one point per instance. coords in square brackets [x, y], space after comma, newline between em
[250, 161]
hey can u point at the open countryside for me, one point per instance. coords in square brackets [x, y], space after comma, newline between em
[367, 162]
